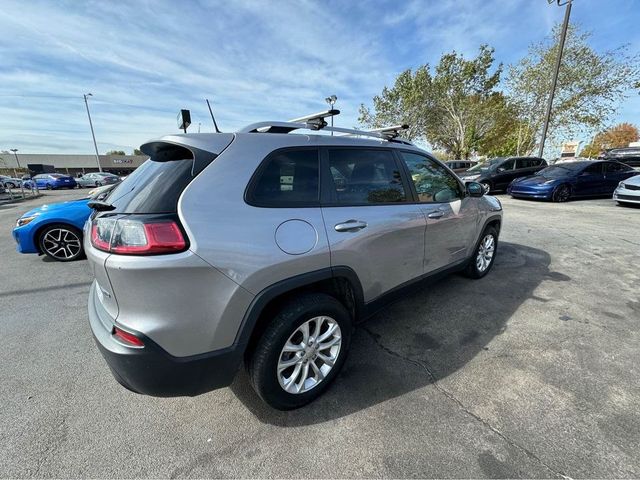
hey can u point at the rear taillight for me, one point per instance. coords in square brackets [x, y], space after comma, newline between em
[137, 237]
[127, 338]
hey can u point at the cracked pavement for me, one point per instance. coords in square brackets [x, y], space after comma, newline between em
[530, 372]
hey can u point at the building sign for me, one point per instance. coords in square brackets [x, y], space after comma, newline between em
[122, 160]
[569, 149]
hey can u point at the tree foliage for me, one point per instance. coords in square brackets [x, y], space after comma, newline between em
[618, 136]
[590, 85]
[116, 152]
[137, 152]
[452, 108]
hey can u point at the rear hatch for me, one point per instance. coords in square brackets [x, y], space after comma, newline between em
[139, 218]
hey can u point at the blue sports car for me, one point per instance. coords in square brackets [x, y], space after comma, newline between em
[56, 229]
[564, 181]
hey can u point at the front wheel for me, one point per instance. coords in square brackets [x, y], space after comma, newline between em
[562, 193]
[61, 242]
[487, 186]
[484, 254]
[49, 187]
[301, 351]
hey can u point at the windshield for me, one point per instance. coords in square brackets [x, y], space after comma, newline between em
[57, 175]
[562, 170]
[486, 166]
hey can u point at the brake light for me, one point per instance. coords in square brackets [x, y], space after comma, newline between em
[137, 237]
[128, 338]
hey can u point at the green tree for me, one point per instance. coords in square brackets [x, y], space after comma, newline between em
[116, 152]
[618, 136]
[453, 108]
[137, 152]
[590, 87]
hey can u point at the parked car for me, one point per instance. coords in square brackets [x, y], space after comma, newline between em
[628, 191]
[54, 230]
[53, 181]
[496, 174]
[97, 179]
[629, 156]
[459, 166]
[562, 182]
[10, 182]
[226, 248]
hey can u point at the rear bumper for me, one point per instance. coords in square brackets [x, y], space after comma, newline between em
[150, 370]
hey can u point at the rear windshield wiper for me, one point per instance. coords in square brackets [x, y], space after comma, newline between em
[100, 206]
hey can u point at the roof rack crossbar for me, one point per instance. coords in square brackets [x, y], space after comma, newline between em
[391, 132]
[287, 127]
[316, 121]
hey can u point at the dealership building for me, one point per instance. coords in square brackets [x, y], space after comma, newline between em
[72, 164]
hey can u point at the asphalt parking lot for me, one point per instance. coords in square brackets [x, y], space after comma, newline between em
[532, 371]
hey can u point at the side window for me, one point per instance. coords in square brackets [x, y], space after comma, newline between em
[615, 168]
[433, 182]
[289, 178]
[536, 162]
[596, 168]
[507, 165]
[365, 176]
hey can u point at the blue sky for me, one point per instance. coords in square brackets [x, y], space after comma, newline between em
[256, 60]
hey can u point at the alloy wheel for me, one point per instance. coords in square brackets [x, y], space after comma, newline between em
[485, 253]
[562, 193]
[61, 244]
[309, 354]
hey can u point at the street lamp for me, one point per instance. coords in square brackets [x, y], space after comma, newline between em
[331, 101]
[15, 152]
[95, 145]
[554, 82]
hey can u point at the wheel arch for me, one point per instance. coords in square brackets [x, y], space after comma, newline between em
[37, 232]
[341, 283]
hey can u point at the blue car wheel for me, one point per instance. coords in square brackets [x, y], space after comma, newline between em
[61, 242]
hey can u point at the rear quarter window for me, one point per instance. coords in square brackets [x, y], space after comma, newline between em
[286, 178]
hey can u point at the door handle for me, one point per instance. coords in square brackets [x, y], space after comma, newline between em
[350, 226]
[436, 214]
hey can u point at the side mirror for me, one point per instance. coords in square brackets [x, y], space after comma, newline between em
[502, 169]
[475, 189]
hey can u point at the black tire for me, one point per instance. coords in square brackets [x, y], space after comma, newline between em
[488, 186]
[263, 364]
[473, 270]
[49, 187]
[98, 184]
[562, 193]
[69, 253]
[10, 185]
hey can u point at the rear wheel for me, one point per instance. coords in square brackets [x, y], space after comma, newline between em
[61, 242]
[484, 254]
[562, 193]
[487, 186]
[49, 187]
[301, 351]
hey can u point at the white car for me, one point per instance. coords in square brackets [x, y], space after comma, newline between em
[628, 191]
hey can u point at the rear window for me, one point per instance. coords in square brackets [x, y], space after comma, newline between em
[156, 186]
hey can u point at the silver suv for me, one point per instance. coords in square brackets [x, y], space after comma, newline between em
[264, 247]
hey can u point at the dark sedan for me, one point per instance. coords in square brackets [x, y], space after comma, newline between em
[496, 174]
[564, 181]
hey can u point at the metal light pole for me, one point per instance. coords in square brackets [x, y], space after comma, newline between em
[95, 145]
[331, 101]
[15, 152]
[554, 82]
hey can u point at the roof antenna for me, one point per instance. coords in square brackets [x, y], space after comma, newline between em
[215, 125]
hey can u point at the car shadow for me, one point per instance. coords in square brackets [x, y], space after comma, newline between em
[421, 338]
